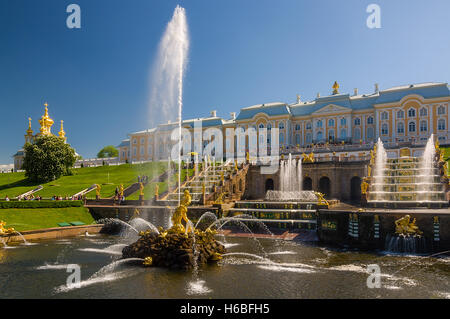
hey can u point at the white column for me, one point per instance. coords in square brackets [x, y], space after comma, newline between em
[377, 124]
[394, 114]
[431, 117]
[363, 127]
[349, 126]
[313, 129]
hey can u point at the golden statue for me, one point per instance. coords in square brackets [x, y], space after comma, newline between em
[321, 199]
[369, 170]
[121, 190]
[235, 165]
[141, 189]
[405, 227]
[247, 157]
[156, 190]
[364, 186]
[335, 88]
[180, 214]
[308, 158]
[436, 144]
[4, 230]
[97, 189]
[220, 198]
[372, 157]
[148, 261]
[136, 213]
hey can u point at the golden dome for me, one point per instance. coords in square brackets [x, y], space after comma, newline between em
[46, 122]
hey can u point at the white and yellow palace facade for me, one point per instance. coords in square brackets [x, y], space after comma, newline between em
[398, 115]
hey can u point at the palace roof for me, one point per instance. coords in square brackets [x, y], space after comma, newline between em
[355, 102]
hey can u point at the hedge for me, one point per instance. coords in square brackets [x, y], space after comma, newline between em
[40, 204]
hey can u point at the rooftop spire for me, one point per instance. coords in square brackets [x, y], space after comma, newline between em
[46, 122]
[61, 132]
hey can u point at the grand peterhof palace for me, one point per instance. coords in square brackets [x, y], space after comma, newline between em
[403, 115]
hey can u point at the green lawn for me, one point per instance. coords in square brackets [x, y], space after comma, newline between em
[29, 219]
[109, 177]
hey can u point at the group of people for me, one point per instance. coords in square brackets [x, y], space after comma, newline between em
[142, 179]
[118, 195]
[38, 197]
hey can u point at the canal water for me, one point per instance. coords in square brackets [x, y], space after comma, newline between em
[266, 268]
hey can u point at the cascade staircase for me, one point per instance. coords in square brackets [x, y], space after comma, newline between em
[210, 179]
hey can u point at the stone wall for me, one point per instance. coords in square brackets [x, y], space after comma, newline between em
[334, 227]
[340, 175]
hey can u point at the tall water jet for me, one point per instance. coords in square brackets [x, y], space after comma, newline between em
[379, 170]
[291, 175]
[167, 79]
[426, 172]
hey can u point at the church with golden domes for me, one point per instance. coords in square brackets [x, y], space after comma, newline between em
[46, 123]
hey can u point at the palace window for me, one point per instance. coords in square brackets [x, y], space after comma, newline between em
[142, 140]
[134, 151]
[319, 123]
[319, 136]
[142, 151]
[423, 112]
[384, 116]
[384, 129]
[412, 127]
[297, 127]
[281, 126]
[281, 138]
[357, 134]
[400, 114]
[370, 133]
[134, 141]
[343, 133]
[308, 138]
[343, 121]
[331, 135]
[308, 125]
[411, 113]
[423, 126]
[269, 127]
[261, 126]
[357, 121]
[297, 139]
[370, 120]
[330, 122]
[441, 110]
[149, 150]
[400, 128]
[441, 124]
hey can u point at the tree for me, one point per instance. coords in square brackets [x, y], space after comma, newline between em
[108, 151]
[47, 159]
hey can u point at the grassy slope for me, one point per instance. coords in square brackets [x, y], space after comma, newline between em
[447, 156]
[29, 219]
[13, 184]
[149, 189]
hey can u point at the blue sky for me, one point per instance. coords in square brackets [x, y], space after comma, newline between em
[242, 53]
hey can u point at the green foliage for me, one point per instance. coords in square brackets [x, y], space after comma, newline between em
[108, 151]
[40, 204]
[48, 159]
